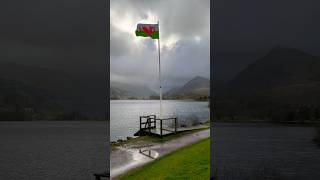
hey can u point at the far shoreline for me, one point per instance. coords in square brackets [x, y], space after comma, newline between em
[265, 122]
[192, 100]
[55, 121]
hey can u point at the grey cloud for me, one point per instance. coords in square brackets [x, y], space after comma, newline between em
[122, 45]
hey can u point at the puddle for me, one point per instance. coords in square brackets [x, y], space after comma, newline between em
[131, 158]
[149, 153]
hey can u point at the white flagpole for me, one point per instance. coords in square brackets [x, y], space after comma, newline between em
[160, 90]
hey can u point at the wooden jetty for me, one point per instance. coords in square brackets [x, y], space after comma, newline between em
[151, 125]
[148, 126]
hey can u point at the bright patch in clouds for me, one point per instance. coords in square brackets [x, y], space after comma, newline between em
[197, 38]
[171, 41]
[124, 23]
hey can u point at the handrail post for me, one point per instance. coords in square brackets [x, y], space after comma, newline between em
[149, 119]
[175, 125]
[161, 128]
[140, 126]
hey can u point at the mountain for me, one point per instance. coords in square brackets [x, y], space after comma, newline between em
[20, 101]
[116, 93]
[15, 93]
[52, 80]
[127, 91]
[285, 81]
[73, 94]
[280, 67]
[198, 87]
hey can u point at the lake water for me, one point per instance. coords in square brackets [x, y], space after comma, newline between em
[124, 114]
[242, 150]
[53, 150]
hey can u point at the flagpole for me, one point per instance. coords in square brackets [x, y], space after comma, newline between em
[160, 90]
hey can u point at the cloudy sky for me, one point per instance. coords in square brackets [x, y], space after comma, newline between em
[71, 35]
[184, 38]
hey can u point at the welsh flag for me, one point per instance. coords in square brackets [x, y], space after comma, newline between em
[148, 30]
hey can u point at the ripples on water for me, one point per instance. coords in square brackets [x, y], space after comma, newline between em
[256, 151]
[124, 114]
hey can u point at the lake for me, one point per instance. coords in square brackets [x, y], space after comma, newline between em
[245, 150]
[53, 149]
[124, 114]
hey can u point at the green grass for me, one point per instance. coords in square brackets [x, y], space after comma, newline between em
[190, 162]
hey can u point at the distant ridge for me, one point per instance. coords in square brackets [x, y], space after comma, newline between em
[49, 79]
[198, 87]
[281, 66]
[72, 94]
[283, 85]
[128, 91]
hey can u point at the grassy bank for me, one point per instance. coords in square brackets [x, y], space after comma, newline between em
[189, 162]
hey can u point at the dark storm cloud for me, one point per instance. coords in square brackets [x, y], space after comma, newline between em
[245, 30]
[184, 33]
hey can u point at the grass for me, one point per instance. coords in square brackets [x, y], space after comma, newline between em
[190, 162]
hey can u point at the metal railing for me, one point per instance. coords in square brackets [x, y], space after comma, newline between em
[151, 122]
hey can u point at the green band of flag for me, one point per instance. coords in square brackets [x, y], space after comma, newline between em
[154, 35]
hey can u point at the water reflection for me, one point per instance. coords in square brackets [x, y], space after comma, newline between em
[149, 153]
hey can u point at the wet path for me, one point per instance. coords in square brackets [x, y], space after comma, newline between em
[125, 159]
